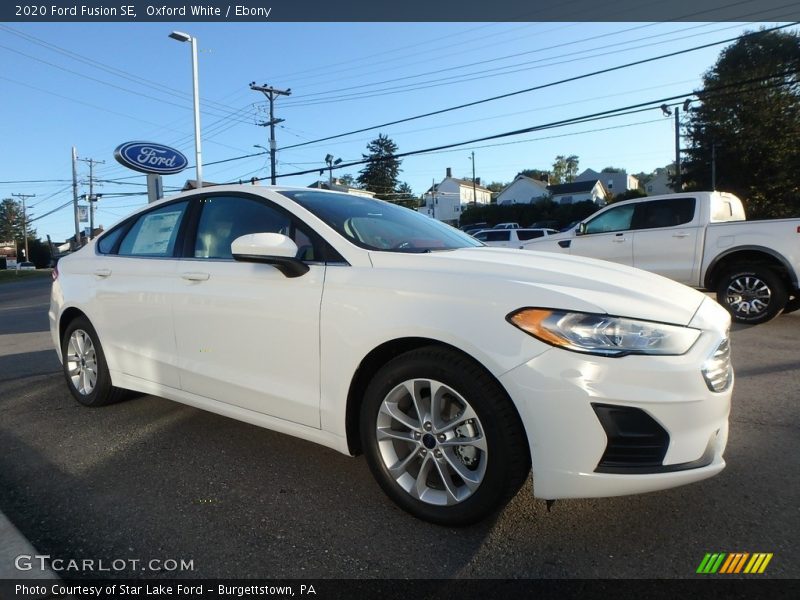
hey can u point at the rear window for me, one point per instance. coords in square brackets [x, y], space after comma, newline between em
[528, 235]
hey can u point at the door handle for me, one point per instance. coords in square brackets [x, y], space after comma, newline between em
[195, 276]
[680, 234]
[102, 272]
[618, 240]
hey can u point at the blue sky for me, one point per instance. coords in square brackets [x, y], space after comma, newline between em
[95, 86]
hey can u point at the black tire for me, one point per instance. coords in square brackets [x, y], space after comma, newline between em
[506, 461]
[792, 305]
[102, 392]
[763, 296]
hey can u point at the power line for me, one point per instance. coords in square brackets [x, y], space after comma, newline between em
[535, 88]
[631, 109]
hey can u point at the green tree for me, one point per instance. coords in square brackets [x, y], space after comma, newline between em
[496, 187]
[11, 227]
[537, 174]
[380, 173]
[348, 180]
[404, 191]
[565, 169]
[751, 129]
[612, 170]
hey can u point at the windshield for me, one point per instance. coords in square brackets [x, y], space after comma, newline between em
[378, 225]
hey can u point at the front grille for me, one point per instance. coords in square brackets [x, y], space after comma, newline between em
[717, 370]
[637, 443]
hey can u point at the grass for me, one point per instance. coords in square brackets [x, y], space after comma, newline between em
[9, 275]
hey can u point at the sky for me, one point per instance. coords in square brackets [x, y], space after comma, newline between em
[95, 86]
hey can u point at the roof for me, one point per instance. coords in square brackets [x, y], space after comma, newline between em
[572, 188]
[465, 182]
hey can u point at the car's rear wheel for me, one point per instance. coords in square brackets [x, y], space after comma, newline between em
[752, 295]
[85, 367]
[442, 438]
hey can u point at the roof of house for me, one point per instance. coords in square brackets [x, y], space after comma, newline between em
[572, 188]
[463, 182]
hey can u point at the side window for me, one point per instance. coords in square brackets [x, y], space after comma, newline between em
[154, 232]
[529, 235]
[225, 218]
[615, 219]
[666, 213]
[481, 236]
[106, 243]
[500, 235]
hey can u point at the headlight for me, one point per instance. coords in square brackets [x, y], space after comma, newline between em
[603, 334]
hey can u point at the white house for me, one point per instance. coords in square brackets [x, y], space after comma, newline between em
[523, 190]
[660, 183]
[579, 191]
[615, 183]
[444, 200]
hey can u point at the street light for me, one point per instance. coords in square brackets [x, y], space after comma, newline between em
[330, 162]
[185, 37]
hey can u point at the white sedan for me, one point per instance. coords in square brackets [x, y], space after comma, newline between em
[368, 328]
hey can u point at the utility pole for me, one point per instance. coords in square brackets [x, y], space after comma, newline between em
[75, 197]
[92, 198]
[678, 183]
[271, 93]
[474, 192]
[713, 167]
[25, 220]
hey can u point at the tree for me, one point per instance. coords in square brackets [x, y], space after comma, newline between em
[381, 171]
[348, 180]
[565, 169]
[535, 174]
[496, 187]
[612, 170]
[11, 222]
[404, 191]
[750, 130]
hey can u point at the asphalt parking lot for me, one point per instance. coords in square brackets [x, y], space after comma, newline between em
[151, 479]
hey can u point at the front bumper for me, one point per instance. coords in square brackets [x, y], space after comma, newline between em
[558, 394]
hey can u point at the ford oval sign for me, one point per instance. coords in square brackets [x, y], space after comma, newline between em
[148, 157]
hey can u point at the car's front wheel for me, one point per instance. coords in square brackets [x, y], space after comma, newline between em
[442, 438]
[85, 367]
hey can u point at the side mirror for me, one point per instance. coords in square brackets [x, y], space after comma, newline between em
[581, 230]
[272, 249]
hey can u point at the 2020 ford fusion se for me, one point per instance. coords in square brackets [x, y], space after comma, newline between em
[369, 328]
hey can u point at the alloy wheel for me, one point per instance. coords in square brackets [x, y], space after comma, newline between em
[431, 442]
[81, 362]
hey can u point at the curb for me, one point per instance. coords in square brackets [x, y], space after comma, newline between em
[12, 545]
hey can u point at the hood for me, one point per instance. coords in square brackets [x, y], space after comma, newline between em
[543, 279]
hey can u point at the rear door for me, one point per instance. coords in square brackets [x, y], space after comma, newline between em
[134, 282]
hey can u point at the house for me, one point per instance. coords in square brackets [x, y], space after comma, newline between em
[579, 191]
[523, 190]
[443, 201]
[660, 183]
[338, 186]
[615, 183]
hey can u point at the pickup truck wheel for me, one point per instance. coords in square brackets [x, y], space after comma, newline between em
[442, 438]
[752, 295]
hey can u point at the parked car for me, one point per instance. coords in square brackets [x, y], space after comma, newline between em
[26, 266]
[510, 238]
[506, 226]
[369, 328]
[470, 229]
[700, 239]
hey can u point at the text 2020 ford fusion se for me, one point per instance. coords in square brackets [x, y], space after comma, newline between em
[366, 327]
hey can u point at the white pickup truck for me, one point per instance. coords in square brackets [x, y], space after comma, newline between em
[701, 239]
